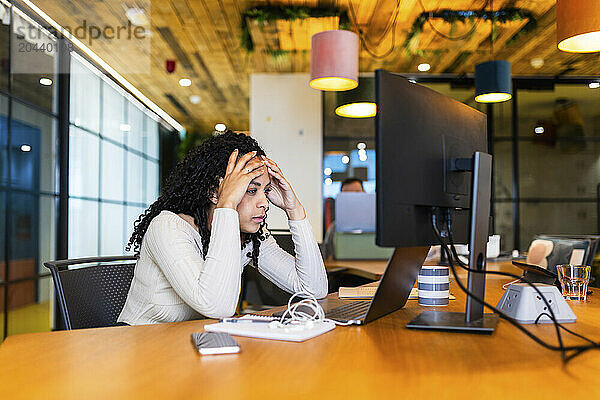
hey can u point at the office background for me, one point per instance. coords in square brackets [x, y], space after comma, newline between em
[545, 180]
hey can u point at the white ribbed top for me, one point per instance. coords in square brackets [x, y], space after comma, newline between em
[173, 282]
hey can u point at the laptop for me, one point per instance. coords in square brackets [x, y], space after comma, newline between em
[392, 293]
[347, 219]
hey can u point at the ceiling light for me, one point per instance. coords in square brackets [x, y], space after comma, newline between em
[46, 81]
[361, 146]
[185, 82]
[357, 110]
[327, 171]
[25, 148]
[539, 130]
[125, 127]
[195, 99]
[412, 81]
[362, 157]
[537, 62]
[220, 127]
[345, 160]
[334, 60]
[358, 102]
[424, 67]
[493, 82]
[137, 16]
[578, 26]
[328, 181]
[594, 85]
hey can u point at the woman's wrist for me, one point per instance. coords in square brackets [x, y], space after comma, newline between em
[226, 204]
[296, 213]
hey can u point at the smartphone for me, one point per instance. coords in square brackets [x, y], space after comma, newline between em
[215, 343]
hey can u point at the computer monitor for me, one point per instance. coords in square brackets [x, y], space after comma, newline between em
[431, 159]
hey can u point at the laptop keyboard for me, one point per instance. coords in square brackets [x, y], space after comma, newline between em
[351, 311]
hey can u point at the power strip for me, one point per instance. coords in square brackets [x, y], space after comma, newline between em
[524, 304]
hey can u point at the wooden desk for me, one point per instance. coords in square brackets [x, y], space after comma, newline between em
[379, 360]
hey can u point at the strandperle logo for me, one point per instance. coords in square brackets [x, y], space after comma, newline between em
[125, 46]
[89, 32]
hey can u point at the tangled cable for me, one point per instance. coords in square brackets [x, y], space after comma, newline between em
[576, 350]
[296, 316]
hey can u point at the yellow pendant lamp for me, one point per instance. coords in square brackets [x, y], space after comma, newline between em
[578, 25]
[358, 102]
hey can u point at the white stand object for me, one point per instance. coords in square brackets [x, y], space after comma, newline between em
[524, 304]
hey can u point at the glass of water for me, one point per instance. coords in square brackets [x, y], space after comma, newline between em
[574, 280]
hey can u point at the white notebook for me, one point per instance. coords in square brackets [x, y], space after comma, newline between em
[265, 331]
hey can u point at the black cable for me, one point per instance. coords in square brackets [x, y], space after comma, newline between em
[451, 240]
[577, 349]
[364, 42]
[481, 301]
[387, 27]
[552, 316]
[454, 38]
[449, 229]
[563, 349]
[564, 327]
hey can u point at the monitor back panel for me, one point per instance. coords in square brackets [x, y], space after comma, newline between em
[418, 131]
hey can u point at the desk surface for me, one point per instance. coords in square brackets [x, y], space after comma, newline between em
[381, 359]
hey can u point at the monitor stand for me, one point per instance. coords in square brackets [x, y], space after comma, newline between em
[473, 319]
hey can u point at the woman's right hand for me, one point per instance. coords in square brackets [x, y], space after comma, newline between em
[238, 176]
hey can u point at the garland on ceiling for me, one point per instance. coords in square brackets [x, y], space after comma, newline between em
[454, 16]
[269, 14]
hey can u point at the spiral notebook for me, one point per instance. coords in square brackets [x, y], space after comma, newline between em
[262, 330]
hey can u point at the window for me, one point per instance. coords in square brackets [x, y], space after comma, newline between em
[113, 163]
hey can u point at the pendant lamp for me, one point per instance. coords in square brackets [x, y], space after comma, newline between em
[334, 60]
[493, 83]
[358, 102]
[578, 25]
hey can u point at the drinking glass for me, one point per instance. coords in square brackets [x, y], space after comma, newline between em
[574, 280]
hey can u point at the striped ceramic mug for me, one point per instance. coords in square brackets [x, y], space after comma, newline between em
[433, 285]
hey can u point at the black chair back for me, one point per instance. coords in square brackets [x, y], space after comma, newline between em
[93, 294]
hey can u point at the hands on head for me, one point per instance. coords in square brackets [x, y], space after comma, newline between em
[238, 175]
[242, 171]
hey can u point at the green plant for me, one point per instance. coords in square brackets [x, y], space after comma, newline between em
[453, 16]
[269, 14]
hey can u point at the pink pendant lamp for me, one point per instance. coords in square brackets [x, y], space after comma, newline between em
[334, 60]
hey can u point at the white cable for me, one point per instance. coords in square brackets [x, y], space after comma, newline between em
[506, 285]
[294, 315]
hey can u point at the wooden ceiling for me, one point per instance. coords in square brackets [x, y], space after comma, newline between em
[203, 36]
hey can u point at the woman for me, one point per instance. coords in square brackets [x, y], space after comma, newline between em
[189, 240]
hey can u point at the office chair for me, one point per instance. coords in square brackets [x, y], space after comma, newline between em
[92, 291]
[548, 251]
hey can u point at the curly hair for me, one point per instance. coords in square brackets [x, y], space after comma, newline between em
[191, 185]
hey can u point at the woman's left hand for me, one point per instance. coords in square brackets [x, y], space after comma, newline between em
[281, 194]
